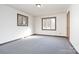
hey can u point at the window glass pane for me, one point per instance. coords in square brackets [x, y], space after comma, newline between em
[53, 23]
[49, 23]
[19, 20]
[44, 24]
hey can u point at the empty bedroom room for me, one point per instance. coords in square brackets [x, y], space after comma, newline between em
[39, 29]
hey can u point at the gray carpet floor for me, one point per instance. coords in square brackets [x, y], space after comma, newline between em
[38, 45]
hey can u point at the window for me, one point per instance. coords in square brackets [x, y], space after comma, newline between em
[22, 20]
[49, 23]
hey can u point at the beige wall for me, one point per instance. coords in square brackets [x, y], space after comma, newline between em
[74, 26]
[61, 25]
[8, 24]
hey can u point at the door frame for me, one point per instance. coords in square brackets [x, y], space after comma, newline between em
[68, 24]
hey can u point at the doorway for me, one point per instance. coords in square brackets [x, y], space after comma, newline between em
[68, 24]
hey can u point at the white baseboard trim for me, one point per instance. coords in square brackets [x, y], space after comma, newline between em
[13, 40]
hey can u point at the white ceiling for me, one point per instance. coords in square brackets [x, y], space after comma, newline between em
[45, 9]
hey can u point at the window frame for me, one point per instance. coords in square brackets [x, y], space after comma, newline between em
[18, 15]
[49, 18]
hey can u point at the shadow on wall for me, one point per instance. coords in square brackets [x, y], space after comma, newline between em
[24, 32]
